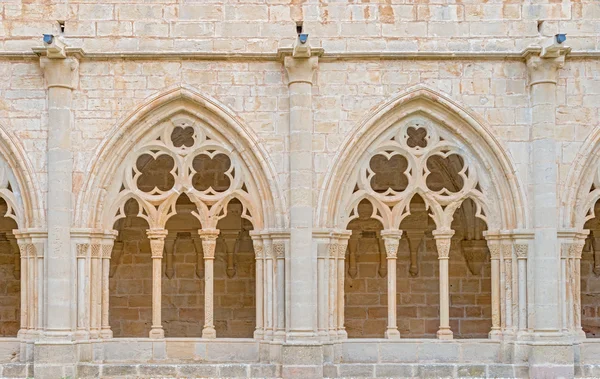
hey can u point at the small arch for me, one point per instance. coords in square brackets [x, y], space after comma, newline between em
[132, 128]
[456, 119]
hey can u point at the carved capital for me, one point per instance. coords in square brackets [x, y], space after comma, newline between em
[278, 250]
[96, 251]
[82, 249]
[60, 72]
[333, 248]
[494, 248]
[544, 69]
[107, 250]
[342, 246]
[209, 242]
[391, 241]
[300, 70]
[506, 252]
[443, 239]
[521, 250]
[258, 248]
[157, 241]
[576, 249]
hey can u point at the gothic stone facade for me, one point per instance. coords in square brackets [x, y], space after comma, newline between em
[194, 189]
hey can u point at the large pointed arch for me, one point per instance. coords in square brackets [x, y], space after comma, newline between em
[457, 120]
[129, 130]
[20, 187]
[579, 196]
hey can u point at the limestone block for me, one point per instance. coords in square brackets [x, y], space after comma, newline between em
[232, 352]
[395, 370]
[471, 371]
[356, 370]
[398, 352]
[233, 370]
[435, 371]
[85, 371]
[480, 352]
[263, 371]
[122, 351]
[359, 352]
[438, 352]
[157, 370]
[119, 370]
[198, 370]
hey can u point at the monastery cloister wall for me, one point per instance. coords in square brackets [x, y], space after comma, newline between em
[299, 188]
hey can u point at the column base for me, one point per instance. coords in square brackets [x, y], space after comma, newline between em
[392, 334]
[279, 335]
[157, 332]
[258, 334]
[342, 334]
[81, 335]
[445, 334]
[495, 334]
[579, 335]
[106, 333]
[209, 332]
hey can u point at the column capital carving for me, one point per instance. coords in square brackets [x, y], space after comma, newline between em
[300, 70]
[576, 248]
[391, 241]
[82, 249]
[521, 250]
[543, 67]
[257, 243]
[443, 238]
[60, 72]
[278, 250]
[209, 242]
[506, 251]
[157, 241]
[107, 250]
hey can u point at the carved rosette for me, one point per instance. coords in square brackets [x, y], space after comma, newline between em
[82, 249]
[209, 242]
[521, 251]
[443, 247]
[278, 250]
[96, 251]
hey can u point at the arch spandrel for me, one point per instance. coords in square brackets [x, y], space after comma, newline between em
[210, 119]
[504, 199]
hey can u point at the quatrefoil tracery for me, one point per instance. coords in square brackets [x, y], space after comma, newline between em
[181, 158]
[415, 159]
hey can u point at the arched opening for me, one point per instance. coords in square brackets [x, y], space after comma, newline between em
[10, 276]
[590, 278]
[130, 283]
[235, 272]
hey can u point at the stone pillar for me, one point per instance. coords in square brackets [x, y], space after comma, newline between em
[279, 294]
[342, 246]
[259, 256]
[494, 248]
[209, 244]
[508, 287]
[157, 245]
[300, 68]
[25, 285]
[391, 239]
[61, 73]
[333, 255]
[322, 293]
[83, 291]
[443, 238]
[543, 75]
[566, 287]
[107, 248]
[522, 251]
[95, 289]
[575, 256]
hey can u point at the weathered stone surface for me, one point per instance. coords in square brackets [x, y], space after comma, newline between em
[119, 370]
[198, 370]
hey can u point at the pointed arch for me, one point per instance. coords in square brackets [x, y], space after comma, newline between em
[454, 118]
[132, 128]
[25, 197]
[578, 195]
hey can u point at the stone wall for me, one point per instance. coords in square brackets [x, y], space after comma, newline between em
[182, 292]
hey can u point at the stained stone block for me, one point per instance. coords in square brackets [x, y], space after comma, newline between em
[14, 370]
[436, 371]
[263, 371]
[232, 352]
[198, 370]
[480, 352]
[398, 352]
[438, 352]
[500, 371]
[395, 370]
[233, 370]
[471, 371]
[119, 370]
[357, 370]
[359, 353]
[88, 371]
[158, 370]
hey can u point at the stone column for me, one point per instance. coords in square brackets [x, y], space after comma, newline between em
[333, 255]
[157, 246]
[575, 255]
[61, 73]
[566, 286]
[25, 285]
[494, 248]
[443, 238]
[95, 289]
[279, 295]
[508, 279]
[83, 291]
[521, 251]
[391, 239]
[107, 248]
[209, 244]
[300, 68]
[543, 75]
[259, 256]
[342, 246]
